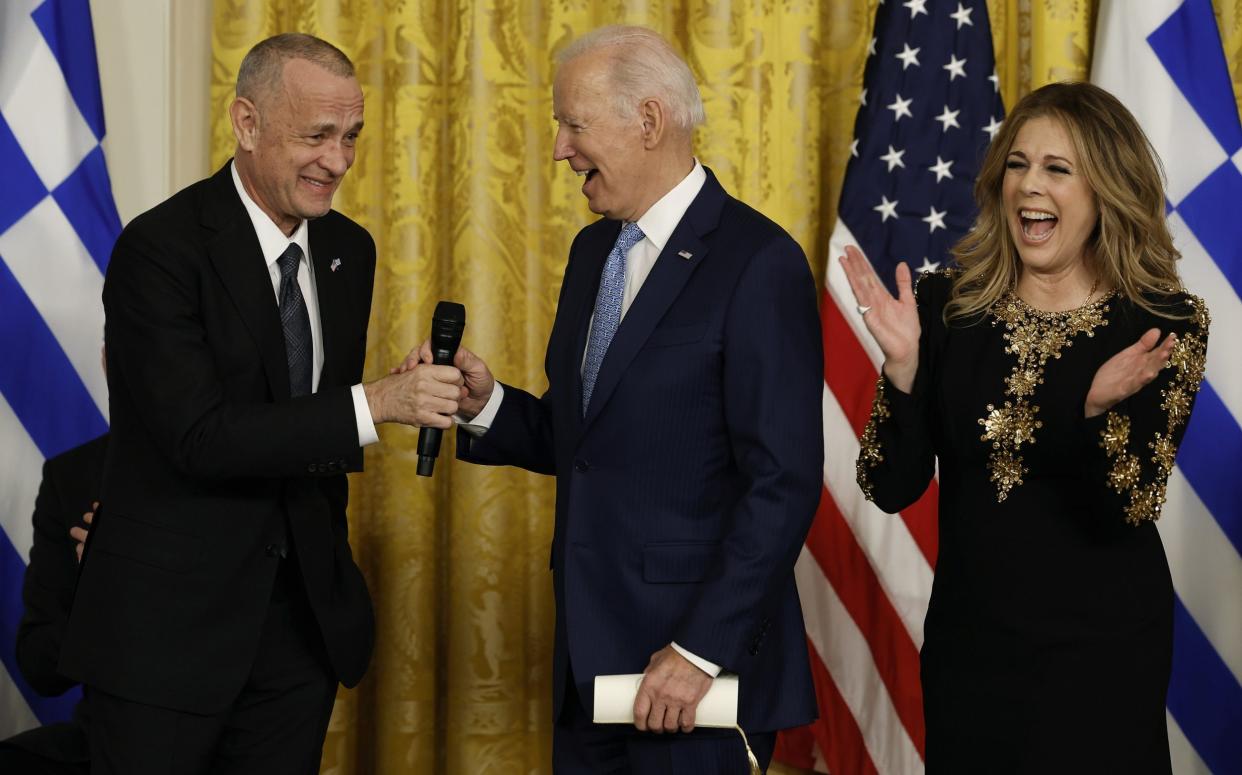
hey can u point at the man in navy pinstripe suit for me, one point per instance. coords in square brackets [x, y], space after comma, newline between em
[682, 422]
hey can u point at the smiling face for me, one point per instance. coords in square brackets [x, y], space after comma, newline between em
[604, 148]
[1050, 209]
[296, 145]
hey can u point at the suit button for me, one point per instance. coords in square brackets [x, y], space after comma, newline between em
[271, 550]
[310, 469]
[581, 466]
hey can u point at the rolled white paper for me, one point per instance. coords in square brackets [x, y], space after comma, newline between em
[614, 701]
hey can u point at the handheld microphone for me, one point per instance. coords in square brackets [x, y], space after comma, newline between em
[447, 325]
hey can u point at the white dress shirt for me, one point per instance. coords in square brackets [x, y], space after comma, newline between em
[273, 243]
[657, 225]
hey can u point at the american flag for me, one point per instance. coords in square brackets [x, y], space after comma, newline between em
[57, 225]
[1164, 60]
[929, 106]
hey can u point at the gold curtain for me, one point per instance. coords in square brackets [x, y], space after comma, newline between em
[454, 179]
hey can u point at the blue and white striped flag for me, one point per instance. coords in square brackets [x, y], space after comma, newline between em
[57, 225]
[1164, 60]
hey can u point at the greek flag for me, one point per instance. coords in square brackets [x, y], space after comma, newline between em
[1164, 60]
[57, 225]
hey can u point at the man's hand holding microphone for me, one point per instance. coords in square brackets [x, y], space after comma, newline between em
[474, 379]
[437, 380]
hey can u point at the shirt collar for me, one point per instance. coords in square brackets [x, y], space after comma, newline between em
[662, 217]
[272, 241]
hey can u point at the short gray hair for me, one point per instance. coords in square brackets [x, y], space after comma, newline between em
[645, 66]
[263, 67]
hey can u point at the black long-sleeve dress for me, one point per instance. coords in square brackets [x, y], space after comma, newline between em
[1048, 638]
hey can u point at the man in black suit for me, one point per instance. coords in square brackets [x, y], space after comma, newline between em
[219, 603]
[69, 489]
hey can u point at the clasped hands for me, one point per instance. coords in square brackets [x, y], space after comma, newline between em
[424, 395]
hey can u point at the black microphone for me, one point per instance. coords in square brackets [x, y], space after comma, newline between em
[446, 328]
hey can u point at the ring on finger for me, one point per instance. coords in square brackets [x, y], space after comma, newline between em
[862, 310]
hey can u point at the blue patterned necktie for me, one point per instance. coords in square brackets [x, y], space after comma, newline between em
[296, 322]
[607, 308]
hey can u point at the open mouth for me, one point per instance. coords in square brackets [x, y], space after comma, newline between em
[317, 183]
[1037, 225]
[588, 174]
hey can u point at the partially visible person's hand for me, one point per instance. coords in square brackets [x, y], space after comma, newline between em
[479, 382]
[78, 534]
[420, 354]
[1127, 372]
[892, 322]
[670, 693]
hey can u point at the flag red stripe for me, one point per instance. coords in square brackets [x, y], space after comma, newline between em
[836, 551]
[851, 377]
[796, 747]
[840, 740]
[848, 369]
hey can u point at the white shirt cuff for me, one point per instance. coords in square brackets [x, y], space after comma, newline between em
[362, 415]
[711, 668]
[479, 424]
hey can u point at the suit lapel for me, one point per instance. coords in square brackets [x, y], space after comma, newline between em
[238, 261]
[669, 275]
[330, 288]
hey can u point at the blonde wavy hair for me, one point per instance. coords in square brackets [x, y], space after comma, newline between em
[1130, 248]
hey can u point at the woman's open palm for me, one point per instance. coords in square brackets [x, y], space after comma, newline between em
[1129, 371]
[892, 322]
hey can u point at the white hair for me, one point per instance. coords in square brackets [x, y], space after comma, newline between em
[645, 66]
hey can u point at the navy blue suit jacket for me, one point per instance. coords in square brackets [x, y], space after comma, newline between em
[685, 493]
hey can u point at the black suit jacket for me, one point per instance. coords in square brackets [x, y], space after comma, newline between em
[684, 494]
[70, 485]
[210, 461]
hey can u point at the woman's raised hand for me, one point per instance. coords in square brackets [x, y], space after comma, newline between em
[1129, 371]
[892, 322]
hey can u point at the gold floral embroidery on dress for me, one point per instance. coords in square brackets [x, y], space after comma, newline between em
[1033, 336]
[1125, 476]
[870, 455]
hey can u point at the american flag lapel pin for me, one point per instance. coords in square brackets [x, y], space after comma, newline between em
[336, 264]
[685, 254]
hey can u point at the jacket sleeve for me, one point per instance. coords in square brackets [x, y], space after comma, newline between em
[773, 402]
[162, 361]
[897, 458]
[521, 435]
[47, 591]
[1128, 451]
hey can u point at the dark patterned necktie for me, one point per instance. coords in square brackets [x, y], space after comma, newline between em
[296, 322]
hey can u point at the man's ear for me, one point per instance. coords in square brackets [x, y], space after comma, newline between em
[245, 118]
[654, 121]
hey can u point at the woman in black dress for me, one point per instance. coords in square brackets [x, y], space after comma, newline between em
[1051, 375]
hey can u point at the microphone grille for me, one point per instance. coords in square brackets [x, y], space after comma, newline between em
[451, 312]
